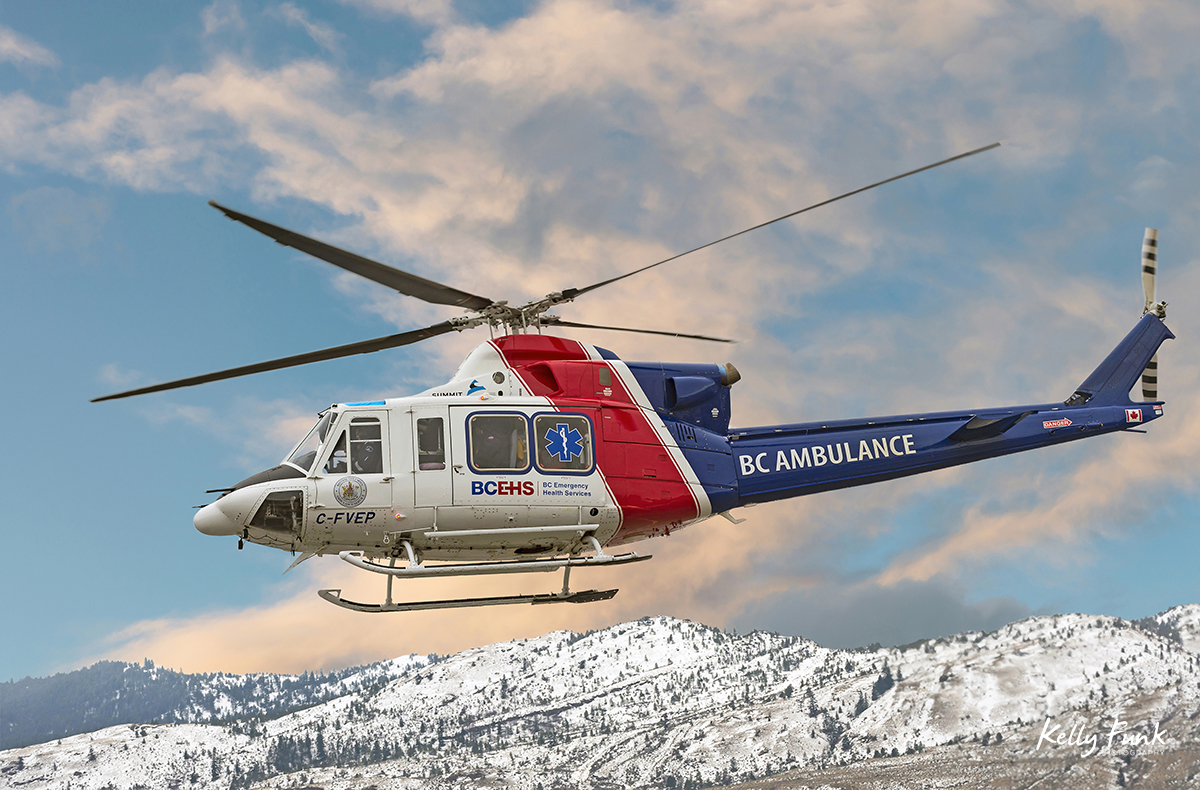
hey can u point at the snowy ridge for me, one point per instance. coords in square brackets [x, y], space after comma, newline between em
[1186, 619]
[110, 692]
[222, 695]
[662, 701]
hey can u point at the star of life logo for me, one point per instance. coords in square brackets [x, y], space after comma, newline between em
[1133, 415]
[564, 441]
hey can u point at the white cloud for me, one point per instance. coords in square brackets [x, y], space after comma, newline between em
[1118, 481]
[15, 48]
[222, 14]
[322, 33]
[430, 12]
[115, 376]
[683, 579]
[587, 139]
[261, 432]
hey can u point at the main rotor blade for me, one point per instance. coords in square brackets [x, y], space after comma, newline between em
[405, 283]
[350, 349]
[571, 293]
[560, 322]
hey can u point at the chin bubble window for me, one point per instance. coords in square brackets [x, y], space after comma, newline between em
[499, 442]
[281, 511]
[564, 442]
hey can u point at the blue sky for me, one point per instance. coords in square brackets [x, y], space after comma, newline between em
[516, 149]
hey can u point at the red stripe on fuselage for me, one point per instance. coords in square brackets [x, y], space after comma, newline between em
[638, 468]
[564, 349]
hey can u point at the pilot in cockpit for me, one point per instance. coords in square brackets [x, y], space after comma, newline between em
[367, 459]
[336, 465]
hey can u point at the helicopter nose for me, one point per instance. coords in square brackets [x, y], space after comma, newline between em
[211, 520]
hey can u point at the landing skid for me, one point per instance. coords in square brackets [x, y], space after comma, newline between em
[415, 570]
[587, 596]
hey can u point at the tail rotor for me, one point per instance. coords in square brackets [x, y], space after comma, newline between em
[1149, 272]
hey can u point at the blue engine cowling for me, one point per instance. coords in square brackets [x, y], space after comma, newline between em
[690, 393]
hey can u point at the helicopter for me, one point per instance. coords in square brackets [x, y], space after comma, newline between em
[543, 453]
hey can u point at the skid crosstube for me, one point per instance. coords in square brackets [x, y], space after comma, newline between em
[585, 596]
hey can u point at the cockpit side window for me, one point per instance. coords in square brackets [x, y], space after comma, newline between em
[431, 443]
[338, 463]
[366, 446]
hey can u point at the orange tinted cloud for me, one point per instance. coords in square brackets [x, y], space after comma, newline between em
[703, 573]
[1121, 480]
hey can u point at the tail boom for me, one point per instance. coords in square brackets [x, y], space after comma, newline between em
[783, 461]
[779, 462]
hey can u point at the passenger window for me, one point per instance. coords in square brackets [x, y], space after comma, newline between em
[499, 442]
[564, 442]
[336, 465]
[366, 446]
[431, 443]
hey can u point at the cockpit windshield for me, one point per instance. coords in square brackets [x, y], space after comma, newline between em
[304, 455]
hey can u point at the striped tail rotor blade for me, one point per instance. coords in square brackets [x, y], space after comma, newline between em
[1149, 266]
[1149, 273]
[1150, 380]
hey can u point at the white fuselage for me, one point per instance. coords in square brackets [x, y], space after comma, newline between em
[421, 469]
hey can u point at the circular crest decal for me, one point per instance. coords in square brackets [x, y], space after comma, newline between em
[350, 491]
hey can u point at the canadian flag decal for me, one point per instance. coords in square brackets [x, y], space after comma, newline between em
[1133, 415]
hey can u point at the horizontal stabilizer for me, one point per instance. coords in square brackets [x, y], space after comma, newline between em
[1109, 384]
[978, 428]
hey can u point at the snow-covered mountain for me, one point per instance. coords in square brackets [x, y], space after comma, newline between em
[114, 692]
[670, 703]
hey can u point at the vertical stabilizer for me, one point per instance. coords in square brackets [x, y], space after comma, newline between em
[1109, 384]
